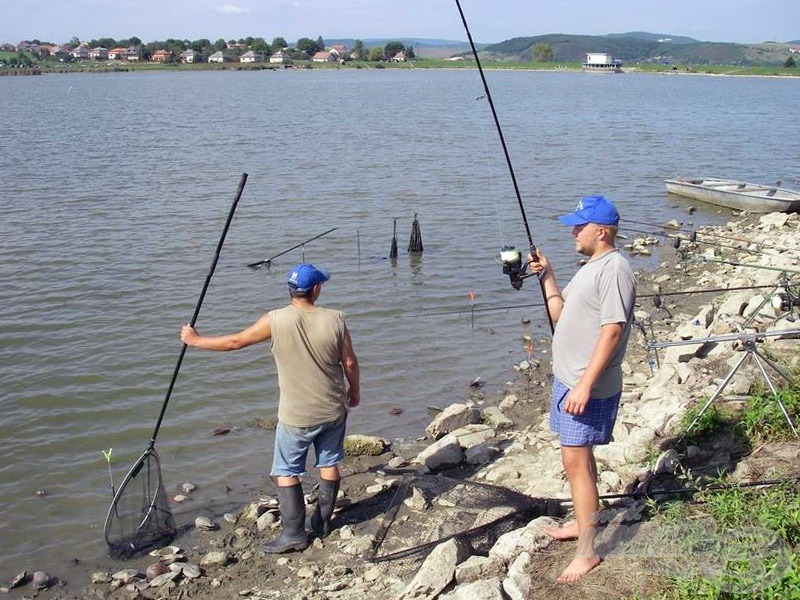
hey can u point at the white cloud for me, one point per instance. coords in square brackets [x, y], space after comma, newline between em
[230, 9]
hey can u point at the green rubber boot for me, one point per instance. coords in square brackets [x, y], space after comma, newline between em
[293, 516]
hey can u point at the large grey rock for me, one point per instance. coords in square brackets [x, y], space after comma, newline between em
[517, 584]
[437, 571]
[486, 589]
[495, 417]
[442, 454]
[472, 435]
[474, 568]
[451, 418]
[526, 539]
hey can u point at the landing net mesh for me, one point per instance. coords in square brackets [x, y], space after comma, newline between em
[427, 510]
[140, 517]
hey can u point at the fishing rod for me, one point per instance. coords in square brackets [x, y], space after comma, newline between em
[511, 257]
[704, 259]
[268, 261]
[692, 231]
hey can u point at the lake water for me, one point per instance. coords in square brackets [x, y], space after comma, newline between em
[115, 188]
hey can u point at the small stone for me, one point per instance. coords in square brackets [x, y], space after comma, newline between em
[229, 518]
[282, 561]
[165, 551]
[41, 580]
[266, 521]
[214, 558]
[188, 488]
[20, 579]
[397, 462]
[156, 569]
[41, 493]
[125, 576]
[101, 577]
[205, 524]
[160, 580]
[180, 498]
[191, 571]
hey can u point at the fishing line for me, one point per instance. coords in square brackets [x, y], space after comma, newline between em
[506, 154]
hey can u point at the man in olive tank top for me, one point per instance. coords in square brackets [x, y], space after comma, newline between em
[318, 379]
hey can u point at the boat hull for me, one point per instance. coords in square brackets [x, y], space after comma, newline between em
[737, 195]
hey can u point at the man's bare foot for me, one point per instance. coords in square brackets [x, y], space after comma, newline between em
[570, 532]
[579, 567]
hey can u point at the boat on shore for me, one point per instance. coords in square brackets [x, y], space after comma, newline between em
[601, 62]
[738, 195]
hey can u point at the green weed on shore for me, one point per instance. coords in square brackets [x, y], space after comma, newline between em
[749, 543]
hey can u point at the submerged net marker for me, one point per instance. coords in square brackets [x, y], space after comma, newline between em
[140, 517]
[415, 242]
[393, 249]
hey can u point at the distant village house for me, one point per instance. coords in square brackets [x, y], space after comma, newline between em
[161, 56]
[322, 57]
[217, 57]
[251, 57]
[280, 58]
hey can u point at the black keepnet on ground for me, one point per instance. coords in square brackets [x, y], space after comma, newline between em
[140, 517]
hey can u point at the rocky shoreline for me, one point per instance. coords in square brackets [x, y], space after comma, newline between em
[441, 486]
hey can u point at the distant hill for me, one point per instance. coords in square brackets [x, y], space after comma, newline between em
[423, 47]
[654, 37]
[641, 47]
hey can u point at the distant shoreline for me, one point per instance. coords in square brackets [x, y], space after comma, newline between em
[95, 68]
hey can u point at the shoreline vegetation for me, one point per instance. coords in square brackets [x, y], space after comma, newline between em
[420, 63]
[708, 511]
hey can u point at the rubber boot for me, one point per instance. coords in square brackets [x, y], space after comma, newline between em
[320, 522]
[293, 516]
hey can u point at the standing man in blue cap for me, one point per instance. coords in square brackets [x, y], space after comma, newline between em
[314, 355]
[593, 315]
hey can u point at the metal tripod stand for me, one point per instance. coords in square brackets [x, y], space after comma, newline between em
[749, 343]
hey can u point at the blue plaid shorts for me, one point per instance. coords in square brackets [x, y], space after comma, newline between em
[592, 428]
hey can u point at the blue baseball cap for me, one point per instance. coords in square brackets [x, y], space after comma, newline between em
[305, 276]
[592, 209]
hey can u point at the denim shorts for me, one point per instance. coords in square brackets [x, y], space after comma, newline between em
[592, 428]
[292, 443]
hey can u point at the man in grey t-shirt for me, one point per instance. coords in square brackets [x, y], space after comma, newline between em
[593, 314]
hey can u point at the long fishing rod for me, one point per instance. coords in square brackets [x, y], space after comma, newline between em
[512, 260]
[703, 259]
[693, 232]
[267, 261]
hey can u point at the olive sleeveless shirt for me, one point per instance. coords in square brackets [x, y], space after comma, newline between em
[307, 346]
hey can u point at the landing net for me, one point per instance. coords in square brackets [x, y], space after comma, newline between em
[140, 517]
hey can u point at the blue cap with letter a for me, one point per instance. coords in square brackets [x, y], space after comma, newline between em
[592, 209]
[305, 276]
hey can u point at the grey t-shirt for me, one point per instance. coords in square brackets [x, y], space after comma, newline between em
[603, 291]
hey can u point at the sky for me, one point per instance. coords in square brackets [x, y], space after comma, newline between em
[740, 21]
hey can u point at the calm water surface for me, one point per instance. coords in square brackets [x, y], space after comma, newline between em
[116, 187]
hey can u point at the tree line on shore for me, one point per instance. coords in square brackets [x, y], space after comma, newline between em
[29, 52]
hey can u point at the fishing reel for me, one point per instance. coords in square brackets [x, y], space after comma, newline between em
[513, 266]
[785, 301]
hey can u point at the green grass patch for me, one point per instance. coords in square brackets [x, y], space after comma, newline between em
[733, 541]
